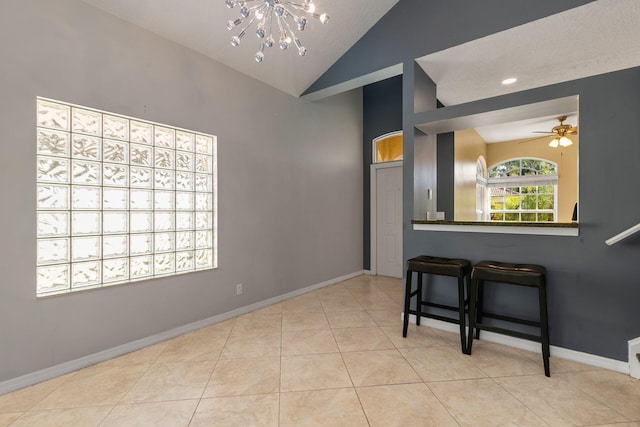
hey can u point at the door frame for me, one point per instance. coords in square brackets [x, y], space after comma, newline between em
[373, 215]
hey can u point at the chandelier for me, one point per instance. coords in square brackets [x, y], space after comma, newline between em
[273, 15]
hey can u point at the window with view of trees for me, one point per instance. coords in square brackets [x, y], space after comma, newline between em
[523, 190]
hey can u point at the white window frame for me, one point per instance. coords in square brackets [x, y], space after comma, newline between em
[374, 146]
[523, 181]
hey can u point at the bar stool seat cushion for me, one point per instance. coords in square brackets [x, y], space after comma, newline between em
[519, 274]
[440, 266]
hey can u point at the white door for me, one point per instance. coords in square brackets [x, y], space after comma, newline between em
[389, 221]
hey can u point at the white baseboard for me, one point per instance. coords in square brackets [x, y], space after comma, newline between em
[82, 362]
[559, 352]
[367, 272]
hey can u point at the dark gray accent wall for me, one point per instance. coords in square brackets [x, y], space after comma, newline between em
[290, 180]
[445, 173]
[382, 113]
[594, 289]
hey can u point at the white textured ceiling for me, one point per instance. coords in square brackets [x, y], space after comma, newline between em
[524, 129]
[201, 25]
[596, 38]
[599, 37]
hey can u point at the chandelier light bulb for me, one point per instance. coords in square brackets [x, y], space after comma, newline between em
[232, 24]
[302, 51]
[269, 41]
[260, 54]
[279, 16]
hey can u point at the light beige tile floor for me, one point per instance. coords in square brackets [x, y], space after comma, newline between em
[332, 357]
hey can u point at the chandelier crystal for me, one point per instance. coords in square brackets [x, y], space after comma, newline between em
[280, 16]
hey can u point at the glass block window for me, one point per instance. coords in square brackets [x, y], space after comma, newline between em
[120, 199]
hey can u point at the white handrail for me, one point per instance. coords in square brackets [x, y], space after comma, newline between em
[623, 235]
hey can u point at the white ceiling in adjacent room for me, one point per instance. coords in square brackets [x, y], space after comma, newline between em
[596, 38]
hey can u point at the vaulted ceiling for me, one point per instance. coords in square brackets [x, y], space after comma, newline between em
[201, 25]
[599, 37]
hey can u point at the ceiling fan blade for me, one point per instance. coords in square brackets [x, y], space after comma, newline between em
[573, 130]
[540, 131]
[533, 139]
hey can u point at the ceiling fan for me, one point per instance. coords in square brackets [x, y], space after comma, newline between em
[560, 133]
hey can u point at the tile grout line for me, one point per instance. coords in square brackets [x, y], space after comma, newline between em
[495, 381]
[151, 364]
[594, 397]
[204, 389]
[353, 386]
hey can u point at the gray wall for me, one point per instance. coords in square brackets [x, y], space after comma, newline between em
[594, 289]
[290, 179]
[382, 113]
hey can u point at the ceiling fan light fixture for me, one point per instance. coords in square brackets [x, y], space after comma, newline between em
[560, 133]
[564, 141]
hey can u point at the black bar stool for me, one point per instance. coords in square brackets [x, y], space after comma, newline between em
[514, 274]
[460, 268]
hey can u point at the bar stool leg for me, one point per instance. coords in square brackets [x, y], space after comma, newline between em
[479, 306]
[419, 299]
[473, 300]
[461, 314]
[544, 329]
[407, 301]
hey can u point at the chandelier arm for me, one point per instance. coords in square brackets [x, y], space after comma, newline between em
[288, 13]
[279, 21]
[244, 30]
[248, 25]
[271, 24]
[300, 6]
[302, 51]
[255, 7]
[286, 23]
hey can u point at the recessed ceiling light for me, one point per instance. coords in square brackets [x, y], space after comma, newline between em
[509, 81]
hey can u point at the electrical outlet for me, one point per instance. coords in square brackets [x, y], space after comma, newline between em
[634, 358]
[238, 288]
